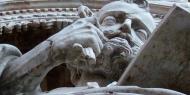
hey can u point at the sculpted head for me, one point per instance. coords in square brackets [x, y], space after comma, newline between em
[120, 15]
[127, 26]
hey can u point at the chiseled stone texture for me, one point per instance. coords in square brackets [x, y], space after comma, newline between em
[164, 60]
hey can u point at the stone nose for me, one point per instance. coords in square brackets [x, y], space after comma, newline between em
[126, 26]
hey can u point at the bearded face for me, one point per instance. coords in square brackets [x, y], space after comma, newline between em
[127, 27]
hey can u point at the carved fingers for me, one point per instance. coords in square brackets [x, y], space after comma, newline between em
[87, 53]
[84, 11]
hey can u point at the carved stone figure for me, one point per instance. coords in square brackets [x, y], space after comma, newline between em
[125, 27]
[96, 47]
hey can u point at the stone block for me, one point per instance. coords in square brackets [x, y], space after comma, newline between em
[164, 60]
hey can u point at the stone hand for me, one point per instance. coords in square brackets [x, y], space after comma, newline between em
[82, 35]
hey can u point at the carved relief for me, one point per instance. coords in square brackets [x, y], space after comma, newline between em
[98, 46]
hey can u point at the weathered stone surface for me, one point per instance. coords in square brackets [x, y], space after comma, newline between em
[96, 48]
[165, 59]
[112, 36]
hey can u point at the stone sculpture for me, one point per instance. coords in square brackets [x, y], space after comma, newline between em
[96, 47]
[118, 22]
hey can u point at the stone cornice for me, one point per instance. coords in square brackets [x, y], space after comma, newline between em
[23, 12]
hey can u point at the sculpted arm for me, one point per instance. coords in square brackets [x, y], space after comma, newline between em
[25, 73]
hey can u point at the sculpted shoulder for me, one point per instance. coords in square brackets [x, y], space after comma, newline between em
[7, 53]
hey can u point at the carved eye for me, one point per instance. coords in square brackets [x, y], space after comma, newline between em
[142, 3]
[109, 21]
